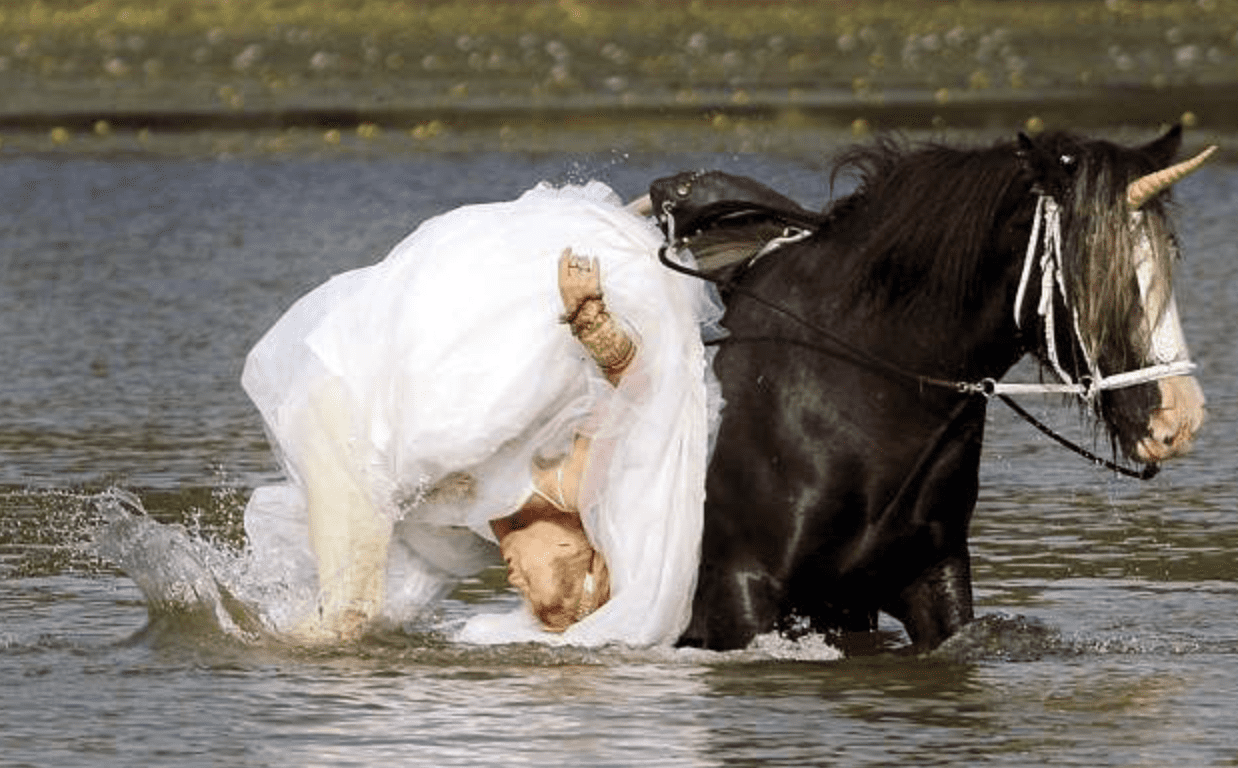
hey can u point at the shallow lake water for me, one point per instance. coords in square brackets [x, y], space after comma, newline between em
[133, 282]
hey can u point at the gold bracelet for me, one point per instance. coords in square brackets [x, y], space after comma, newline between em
[590, 314]
[569, 318]
[612, 349]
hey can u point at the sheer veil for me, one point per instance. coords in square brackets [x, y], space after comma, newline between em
[453, 375]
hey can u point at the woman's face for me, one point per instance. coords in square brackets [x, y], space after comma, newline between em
[547, 562]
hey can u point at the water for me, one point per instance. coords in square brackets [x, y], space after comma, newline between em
[134, 278]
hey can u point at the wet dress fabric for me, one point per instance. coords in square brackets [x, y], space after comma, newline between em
[449, 376]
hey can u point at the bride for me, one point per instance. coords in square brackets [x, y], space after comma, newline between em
[452, 400]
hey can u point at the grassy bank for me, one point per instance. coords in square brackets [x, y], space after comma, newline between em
[733, 19]
[272, 63]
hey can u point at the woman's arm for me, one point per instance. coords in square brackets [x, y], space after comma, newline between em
[580, 287]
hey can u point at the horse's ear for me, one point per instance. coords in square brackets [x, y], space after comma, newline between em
[1166, 147]
[1049, 174]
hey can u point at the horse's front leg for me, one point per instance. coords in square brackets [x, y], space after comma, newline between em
[737, 597]
[937, 603]
[732, 606]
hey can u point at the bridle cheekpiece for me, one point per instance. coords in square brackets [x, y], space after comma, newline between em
[1046, 239]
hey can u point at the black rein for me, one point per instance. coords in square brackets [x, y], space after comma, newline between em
[863, 357]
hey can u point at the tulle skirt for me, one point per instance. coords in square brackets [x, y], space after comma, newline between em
[447, 374]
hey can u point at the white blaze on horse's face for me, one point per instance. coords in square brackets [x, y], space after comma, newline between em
[1173, 425]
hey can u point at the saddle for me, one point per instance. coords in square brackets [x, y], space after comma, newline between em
[727, 221]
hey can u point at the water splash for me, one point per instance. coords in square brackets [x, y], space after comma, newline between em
[1002, 637]
[810, 647]
[181, 576]
[42, 532]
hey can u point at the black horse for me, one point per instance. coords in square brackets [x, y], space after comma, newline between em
[861, 356]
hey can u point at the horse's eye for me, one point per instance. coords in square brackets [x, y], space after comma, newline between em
[1175, 248]
[683, 189]
[1068, 160]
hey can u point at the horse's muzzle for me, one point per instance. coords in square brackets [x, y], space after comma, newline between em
[1172, 426]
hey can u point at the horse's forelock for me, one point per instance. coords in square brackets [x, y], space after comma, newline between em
[1101, 247]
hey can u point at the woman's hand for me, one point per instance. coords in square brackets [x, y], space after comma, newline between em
[580, 278]
[580, 287]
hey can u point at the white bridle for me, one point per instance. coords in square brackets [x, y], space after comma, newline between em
[1168, 344]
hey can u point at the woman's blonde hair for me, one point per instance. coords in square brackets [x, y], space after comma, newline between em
[582, 585]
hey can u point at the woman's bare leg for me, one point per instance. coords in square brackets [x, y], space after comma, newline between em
[349, 536]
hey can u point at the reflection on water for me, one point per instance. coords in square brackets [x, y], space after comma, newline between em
[131, 286]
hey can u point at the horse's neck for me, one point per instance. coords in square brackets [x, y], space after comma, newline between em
[979, 342]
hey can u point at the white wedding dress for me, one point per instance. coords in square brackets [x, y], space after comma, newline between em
[446, 363]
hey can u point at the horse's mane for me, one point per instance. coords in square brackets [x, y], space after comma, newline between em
[923, 219]
[927, 220]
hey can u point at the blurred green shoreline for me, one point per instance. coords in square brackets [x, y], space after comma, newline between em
[430, 70]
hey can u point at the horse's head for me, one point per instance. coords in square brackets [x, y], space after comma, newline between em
[1104, 246]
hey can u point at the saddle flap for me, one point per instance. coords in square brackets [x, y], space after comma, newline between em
[700, 200]
[726, 220]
